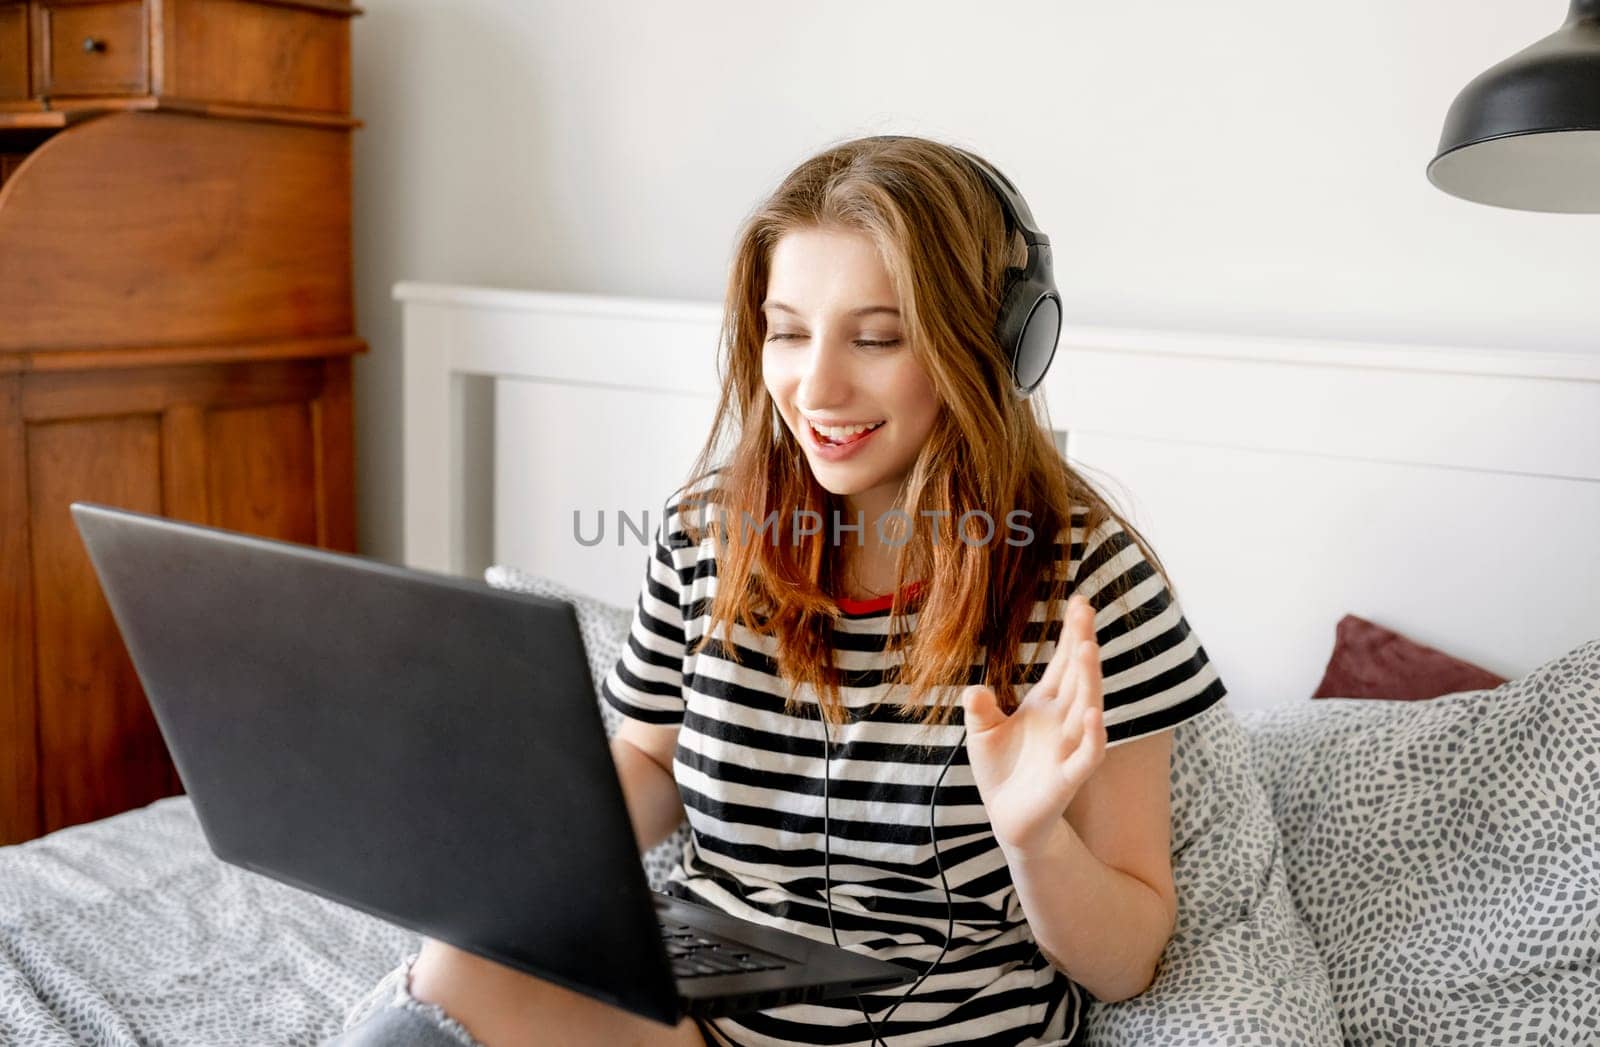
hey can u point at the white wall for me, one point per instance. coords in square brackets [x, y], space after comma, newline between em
[1238, 166]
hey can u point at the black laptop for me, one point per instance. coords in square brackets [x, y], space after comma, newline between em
[428, 750]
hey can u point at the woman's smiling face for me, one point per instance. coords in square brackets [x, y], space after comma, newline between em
[836, 357]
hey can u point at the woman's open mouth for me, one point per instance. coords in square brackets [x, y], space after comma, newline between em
[833, 444]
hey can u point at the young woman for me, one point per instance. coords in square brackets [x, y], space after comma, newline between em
[972, 639]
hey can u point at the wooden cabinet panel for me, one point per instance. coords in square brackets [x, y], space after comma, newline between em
[262, 471]
[93, 48]
[253, 447]
[333, 416]
[250, 222]
[100, 751]
[13, 52]
[19, 756]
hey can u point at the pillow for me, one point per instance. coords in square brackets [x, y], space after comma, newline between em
[1446, 855]
[1241, 968]
[1370, 661]
[605, 630]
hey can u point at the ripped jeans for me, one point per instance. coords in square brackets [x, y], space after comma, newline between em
[389, 1016]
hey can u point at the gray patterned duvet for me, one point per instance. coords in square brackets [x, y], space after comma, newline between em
[1362, 872]
[128, 931]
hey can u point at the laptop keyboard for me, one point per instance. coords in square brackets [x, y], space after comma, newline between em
[694, 954]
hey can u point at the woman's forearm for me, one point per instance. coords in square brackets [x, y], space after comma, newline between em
[654, 804]
[1101, 926]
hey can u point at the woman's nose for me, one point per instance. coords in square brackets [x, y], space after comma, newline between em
[825, 377]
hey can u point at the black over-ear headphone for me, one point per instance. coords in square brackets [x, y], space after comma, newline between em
[1029, 324]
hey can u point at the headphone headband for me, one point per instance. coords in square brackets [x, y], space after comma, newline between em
[1011, 201]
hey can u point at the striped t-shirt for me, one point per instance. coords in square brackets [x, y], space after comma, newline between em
[751, 778]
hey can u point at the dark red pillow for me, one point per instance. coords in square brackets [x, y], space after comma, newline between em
[1370, 661]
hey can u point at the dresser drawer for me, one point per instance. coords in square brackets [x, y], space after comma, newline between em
[13, 52]
[203, 60]
[93, 48]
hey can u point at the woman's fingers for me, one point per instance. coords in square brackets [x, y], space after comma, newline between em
[1066, 644]
[1082, 688]
[1077, 626]
[979, 709]
[1091, 686]
[1081, 737]
[1082, 672]
[1071, 731]
[1090, 748]
[1091, 663]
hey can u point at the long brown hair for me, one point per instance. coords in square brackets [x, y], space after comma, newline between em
[943, 237]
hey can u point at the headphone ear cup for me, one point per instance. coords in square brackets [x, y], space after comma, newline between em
[1015, 305]
[1029, 325]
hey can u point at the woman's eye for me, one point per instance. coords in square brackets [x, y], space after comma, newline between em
[864, 343]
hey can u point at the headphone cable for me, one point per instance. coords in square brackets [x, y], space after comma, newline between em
[938, 861]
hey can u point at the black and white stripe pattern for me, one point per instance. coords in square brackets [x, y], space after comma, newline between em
[751, 776]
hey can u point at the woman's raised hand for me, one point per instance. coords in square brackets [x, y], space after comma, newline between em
[1029, 765]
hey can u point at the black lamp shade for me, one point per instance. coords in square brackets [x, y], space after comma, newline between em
[1526, 133]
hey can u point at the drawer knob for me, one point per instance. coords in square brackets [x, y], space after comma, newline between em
[91, 45]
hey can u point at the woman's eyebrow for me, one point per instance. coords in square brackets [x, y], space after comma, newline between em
[866, 310]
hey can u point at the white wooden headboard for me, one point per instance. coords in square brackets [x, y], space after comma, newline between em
[1451, 494]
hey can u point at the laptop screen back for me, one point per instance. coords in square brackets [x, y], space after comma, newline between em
[422, 748]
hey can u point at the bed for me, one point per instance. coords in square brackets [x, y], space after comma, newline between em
[1350, 870]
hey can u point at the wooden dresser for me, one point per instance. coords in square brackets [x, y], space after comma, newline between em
[176, 334]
